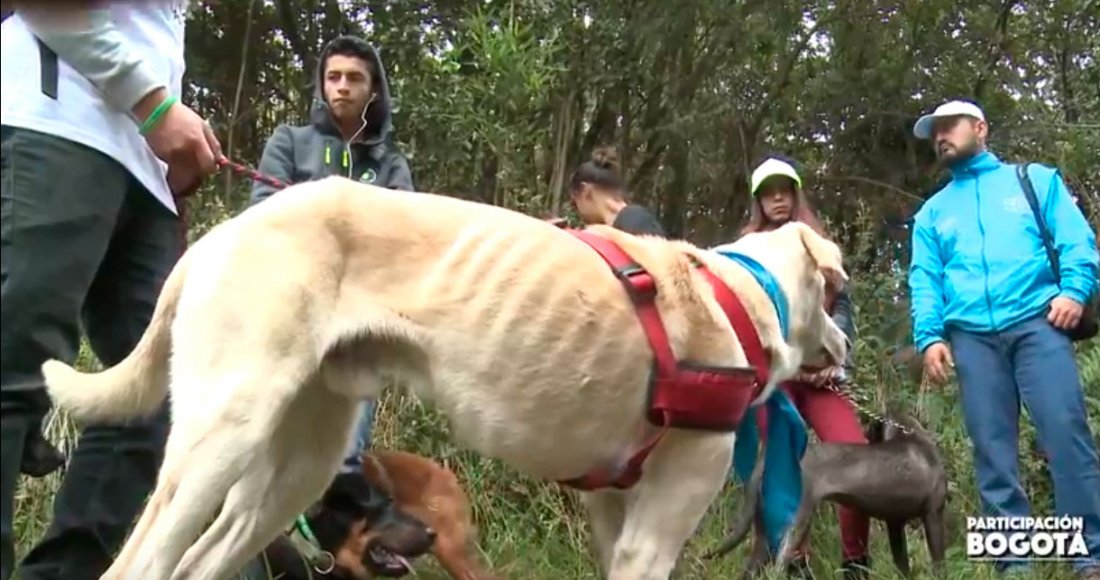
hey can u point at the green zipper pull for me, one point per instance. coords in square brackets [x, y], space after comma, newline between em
[345, 158]
[328, 154]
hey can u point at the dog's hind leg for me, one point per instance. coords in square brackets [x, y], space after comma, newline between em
[300, 459]
[167, 481]
[158, 500]
[606, 513]
[680, 480]
[899, 547]
[200, 488]
[241, 520]
[934, 534]
[214, 451]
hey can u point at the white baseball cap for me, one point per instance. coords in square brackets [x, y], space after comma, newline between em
[923, 128]
[770, 168]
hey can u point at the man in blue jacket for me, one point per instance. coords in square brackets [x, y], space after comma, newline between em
[985, 302]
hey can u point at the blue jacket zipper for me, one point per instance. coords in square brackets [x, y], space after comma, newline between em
[985, 263]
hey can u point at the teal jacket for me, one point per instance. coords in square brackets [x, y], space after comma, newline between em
[978, 262]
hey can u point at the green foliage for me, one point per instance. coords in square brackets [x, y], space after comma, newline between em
[498, 100]
[1088, 356]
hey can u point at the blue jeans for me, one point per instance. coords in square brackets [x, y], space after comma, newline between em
[360, 439]
[1034, 364]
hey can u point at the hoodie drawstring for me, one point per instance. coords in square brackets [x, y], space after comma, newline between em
[345, 161]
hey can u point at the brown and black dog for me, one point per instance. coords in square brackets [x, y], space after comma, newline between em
[368, 538]
[357, 534]
[431, 493]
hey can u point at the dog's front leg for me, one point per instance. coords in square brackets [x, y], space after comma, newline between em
[800, 529]
[606, 513]
[760, 556]
[680, 480]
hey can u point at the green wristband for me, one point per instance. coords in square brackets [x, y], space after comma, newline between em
[157, 113]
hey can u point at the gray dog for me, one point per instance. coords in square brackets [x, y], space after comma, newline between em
[898, 477]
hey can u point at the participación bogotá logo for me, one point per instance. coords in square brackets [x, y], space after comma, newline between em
[1058, 538]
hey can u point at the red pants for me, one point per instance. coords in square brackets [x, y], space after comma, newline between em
[834, 420]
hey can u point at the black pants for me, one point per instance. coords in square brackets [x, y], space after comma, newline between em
[83, 245]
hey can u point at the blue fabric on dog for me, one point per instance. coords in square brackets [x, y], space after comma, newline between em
[768, 282]
[782, 486]
[781, 489]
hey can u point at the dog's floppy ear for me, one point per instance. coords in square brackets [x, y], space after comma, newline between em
[351, 493]
[342, 492]
[376, 473]
[825, 254]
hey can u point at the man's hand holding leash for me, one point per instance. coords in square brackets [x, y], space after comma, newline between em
[180, 138]
[1065, 313]
[87, 39]
[938, 361]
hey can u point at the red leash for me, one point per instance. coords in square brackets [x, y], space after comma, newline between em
[223, 163]
[248, 172]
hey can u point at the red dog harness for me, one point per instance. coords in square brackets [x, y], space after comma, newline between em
[680, 395]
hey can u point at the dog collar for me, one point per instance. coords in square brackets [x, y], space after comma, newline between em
[767, 281]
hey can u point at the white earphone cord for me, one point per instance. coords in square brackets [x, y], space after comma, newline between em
[347, 144]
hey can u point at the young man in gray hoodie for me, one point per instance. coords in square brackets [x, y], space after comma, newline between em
[350, 134]
[350, 127]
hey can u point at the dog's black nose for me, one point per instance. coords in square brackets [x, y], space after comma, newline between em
[431, 533]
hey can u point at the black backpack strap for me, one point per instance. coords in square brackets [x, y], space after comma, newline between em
[1044, 233]
[47, 60]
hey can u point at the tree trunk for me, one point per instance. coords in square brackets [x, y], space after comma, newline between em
[230, 148]
[563, 128]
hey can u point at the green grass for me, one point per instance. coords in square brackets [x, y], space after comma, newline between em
[534, 530]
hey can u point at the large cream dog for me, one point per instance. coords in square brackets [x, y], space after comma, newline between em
[277, 322]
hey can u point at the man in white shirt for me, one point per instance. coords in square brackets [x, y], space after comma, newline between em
[95, 150]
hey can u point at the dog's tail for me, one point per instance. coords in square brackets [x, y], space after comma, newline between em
[134, 387]
[746, 518]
